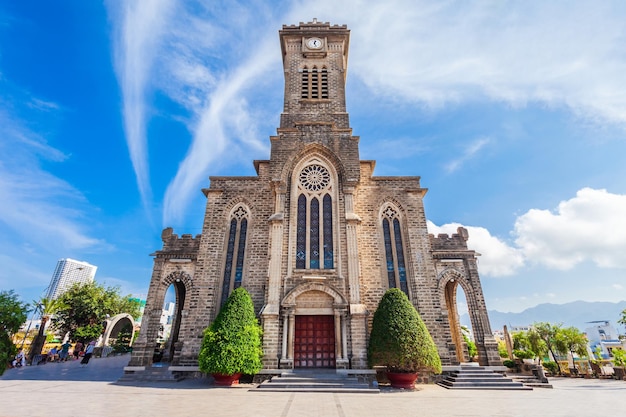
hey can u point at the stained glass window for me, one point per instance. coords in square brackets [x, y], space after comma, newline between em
[400, 256]
[328, 232]
[229, 260]
[240, 253]
[235, 252]
[315, 234]
[301, 233]
[391, 274]
[314, 229]
[394, 250]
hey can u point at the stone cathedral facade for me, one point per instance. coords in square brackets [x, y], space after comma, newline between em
[315, 237]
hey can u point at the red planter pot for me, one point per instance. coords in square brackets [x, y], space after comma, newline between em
[402, 380]
[226, 380]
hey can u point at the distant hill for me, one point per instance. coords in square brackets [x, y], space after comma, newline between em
[576, 314]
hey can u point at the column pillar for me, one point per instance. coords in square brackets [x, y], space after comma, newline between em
[352, 221]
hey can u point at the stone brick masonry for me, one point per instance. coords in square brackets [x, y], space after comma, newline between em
[314, 131]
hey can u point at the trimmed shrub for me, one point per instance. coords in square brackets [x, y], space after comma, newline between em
[232, 343]
[509, 363]
[399, 339]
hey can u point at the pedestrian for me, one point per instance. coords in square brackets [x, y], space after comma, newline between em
[77, 348]
[20, 359]
[65, 351]
[53, 354]
[88, 352]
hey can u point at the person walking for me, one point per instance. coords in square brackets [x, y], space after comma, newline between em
[77, 348]
[88, 352]
[65, 351]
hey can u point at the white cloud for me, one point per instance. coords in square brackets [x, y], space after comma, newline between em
[618, 287]
[584, 228]
[497, 258]
[587, 227]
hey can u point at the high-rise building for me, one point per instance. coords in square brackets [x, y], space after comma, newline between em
[67, 273]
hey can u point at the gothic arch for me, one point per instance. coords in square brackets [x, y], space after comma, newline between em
[315, 210]
[182, 283]
[290, 298]
[234, 260]
[237, 201]
[396, 271]
[115, 325]
[308, 152]
[448, 282]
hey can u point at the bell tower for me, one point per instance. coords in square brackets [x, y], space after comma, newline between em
[315, 60]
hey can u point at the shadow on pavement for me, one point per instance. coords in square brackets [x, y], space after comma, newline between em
[98, 369]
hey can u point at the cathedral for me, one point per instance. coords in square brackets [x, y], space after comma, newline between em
[315, 238]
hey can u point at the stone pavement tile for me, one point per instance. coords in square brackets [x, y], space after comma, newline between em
[32, 397]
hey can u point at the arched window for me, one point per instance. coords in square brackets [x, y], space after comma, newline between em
[314, 223]
[394, 250]
[235, 252]
[314, 83]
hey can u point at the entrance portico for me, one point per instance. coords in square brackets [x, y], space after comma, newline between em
[314, 335]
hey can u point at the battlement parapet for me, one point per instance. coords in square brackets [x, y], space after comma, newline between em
[185, 246]
[458, 241]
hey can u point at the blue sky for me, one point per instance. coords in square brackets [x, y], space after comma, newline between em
[113, 115]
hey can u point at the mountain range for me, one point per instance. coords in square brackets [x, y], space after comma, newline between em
[576, 313]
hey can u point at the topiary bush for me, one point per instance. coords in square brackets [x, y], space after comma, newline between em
[399, 339]
[232, 343]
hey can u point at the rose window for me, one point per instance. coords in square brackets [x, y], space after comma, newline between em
[314, 177]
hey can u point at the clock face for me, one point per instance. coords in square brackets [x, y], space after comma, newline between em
[314, 43]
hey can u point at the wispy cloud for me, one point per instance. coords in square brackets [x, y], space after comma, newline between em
[413, 53]
[137, 42]
[35, 202]
[470, 152]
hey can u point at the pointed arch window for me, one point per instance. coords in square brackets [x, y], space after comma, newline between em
[314, 83]
[394, 250]
[235, 252]
[314, 222]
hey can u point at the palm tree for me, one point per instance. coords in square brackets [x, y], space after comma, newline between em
[48, 307]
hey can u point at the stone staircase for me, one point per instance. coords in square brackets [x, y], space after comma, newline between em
[316, 381]
[150, 374]
[477, 377]
[530, 381]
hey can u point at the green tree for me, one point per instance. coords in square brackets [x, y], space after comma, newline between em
[471, 346]
[623, 319]
[573, 341]
[122, 342]
[13, 314]
[232, 343]
[48, 307]
[85, 307]
[549, 334]
[399, 339]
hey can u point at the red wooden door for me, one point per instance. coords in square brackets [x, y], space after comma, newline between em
[314, 344]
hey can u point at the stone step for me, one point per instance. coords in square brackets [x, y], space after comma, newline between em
[315, 382]
[479, 378]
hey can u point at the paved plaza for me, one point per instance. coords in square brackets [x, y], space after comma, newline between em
[67, 390]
